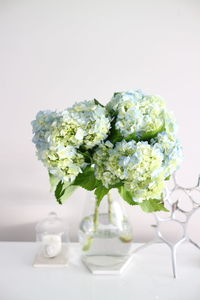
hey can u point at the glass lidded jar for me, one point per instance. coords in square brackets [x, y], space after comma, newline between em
[50, 232]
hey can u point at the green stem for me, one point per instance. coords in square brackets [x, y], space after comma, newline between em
[88, 244]
[90, 239]
[96, 216]
[110, 208]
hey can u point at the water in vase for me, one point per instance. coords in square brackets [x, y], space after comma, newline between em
[112, 238]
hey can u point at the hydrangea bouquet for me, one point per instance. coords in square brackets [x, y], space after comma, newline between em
[130, 144]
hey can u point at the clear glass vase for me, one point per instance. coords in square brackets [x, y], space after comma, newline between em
[105, 235]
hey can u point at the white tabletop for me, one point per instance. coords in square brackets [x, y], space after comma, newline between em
[148, 277]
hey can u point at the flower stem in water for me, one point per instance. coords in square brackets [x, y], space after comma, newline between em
[90, 239]
[96, 217]
[88, 243]
[110, 208]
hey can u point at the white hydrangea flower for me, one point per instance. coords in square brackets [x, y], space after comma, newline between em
[64, 162]
[100, 159]
[171, 149]
[58, 137]
[43, 126]
[142, 167]
[137, 114]
[118, 99]
[84, 124]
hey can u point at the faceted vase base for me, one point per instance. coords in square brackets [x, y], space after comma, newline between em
[107, 265]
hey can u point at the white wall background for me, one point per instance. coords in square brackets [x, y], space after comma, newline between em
[53, 53]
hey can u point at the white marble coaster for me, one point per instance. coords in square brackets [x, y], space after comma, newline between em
[107, 265]
[59, 261]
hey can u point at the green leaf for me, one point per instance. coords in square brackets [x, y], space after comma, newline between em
[87, 179]
[87, 156]
[59, 191]
[97, 102]
[127, 196]
[143, 135]
[64, 191]
[116, 185]
[53, 182]
[114, 135]
[100, 192]
[147, 136]
[131, 137]
[68, 192]
[152, 205]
